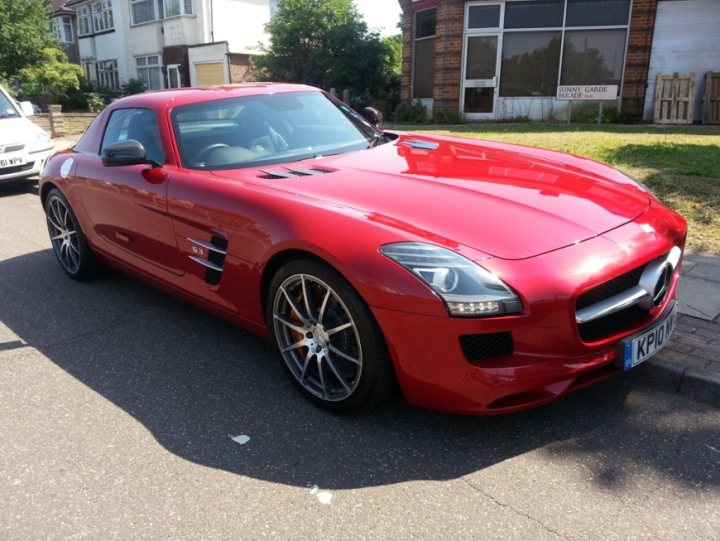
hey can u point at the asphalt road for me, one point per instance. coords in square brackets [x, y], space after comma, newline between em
[126, 414]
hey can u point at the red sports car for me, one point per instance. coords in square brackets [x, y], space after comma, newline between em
[481, 277]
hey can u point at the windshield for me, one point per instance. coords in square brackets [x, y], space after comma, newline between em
[268, 129]
[7, 108]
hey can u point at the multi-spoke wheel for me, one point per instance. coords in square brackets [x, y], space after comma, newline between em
[327, 337]
[68, 241]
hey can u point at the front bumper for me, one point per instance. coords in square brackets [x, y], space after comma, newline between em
[548, 357]
[33, 166]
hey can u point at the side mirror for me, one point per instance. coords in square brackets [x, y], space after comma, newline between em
[27, 108]
[130, 152]
[373, 116]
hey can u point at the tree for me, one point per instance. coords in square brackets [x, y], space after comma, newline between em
[24, 35]
[324, 43]
[50, 80]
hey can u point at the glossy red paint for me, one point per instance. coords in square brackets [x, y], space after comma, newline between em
[551, 226]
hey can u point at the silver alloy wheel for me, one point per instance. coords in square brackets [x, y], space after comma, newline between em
[63, 234]
[317, 337]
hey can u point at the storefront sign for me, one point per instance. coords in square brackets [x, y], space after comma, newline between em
[587, 92]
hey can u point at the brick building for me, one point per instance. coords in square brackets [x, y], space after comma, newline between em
[495, 59]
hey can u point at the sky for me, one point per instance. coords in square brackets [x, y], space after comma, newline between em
[381, 15]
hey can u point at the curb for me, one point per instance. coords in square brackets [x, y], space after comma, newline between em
[689, 364]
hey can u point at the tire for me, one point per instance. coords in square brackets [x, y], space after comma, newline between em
[68, 241]
[326, 335]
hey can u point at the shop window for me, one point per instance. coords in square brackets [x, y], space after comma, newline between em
[598, 13]
[534, 14]
[530, 62]
[424, 61]
[593, 57]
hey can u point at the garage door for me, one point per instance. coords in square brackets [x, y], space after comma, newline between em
[210, 74]
[686, 39]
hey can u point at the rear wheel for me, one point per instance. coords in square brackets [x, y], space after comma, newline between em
[68, 242]
[327, 337]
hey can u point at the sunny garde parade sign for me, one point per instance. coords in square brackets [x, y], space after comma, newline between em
[587, 92]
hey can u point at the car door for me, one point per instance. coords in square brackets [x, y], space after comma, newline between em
[126, 205]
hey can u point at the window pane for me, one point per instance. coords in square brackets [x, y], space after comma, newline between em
[481, 57]
[423, 74]
[425, 23]
[597, 12]
[172, 8]
[530, 62]
[534, 14]
[593, 57]
[484, 16]
[143, 11]
[188, 7]
[479, 100]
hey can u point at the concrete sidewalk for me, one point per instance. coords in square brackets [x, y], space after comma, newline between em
[690, 362]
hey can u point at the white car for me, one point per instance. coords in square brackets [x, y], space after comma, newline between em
[24, 147]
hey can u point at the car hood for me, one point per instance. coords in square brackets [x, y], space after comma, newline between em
[504, 200]
[18, 130]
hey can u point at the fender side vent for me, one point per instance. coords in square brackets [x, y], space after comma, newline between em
[214, 257]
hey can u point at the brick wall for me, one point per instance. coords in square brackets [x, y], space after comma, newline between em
[61, 124]
[239, 67]
[637, 63]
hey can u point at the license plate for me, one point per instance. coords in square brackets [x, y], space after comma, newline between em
[641, 347]
[12, 161]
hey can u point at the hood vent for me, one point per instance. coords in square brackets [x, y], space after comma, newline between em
[291, 172]
[423, 145]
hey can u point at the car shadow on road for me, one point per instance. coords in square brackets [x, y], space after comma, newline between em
[195, 381]
[18, 187]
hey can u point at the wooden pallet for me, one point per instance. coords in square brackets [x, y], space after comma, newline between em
[674, 98]
[711, 98]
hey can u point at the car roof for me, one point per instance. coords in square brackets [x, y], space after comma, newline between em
[183, 96]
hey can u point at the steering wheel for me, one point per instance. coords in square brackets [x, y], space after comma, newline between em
[204, 154]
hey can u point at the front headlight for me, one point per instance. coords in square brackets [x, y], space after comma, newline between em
[41, 140]
[467, 289]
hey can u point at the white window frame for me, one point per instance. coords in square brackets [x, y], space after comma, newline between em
[185, 8]
[158, 7]
[85, 26]
[147, 67]
[173, 68]
[107, 73]
[62, 28]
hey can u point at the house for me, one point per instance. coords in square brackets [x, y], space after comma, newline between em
[495, 59]
[164, 43]
[64, 27]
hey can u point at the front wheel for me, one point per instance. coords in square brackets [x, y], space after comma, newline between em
[68, 242]
[327, 337]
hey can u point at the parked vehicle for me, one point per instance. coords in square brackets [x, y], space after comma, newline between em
[482, 277]
[24, 147]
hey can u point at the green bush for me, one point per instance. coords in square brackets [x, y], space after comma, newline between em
[133, 86]
[410, 113]
[448, 116]
[95, 102]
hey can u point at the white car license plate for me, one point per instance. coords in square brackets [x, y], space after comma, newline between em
[12, 160]
[642, 346]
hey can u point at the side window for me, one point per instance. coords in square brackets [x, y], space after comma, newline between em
[138, 124]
